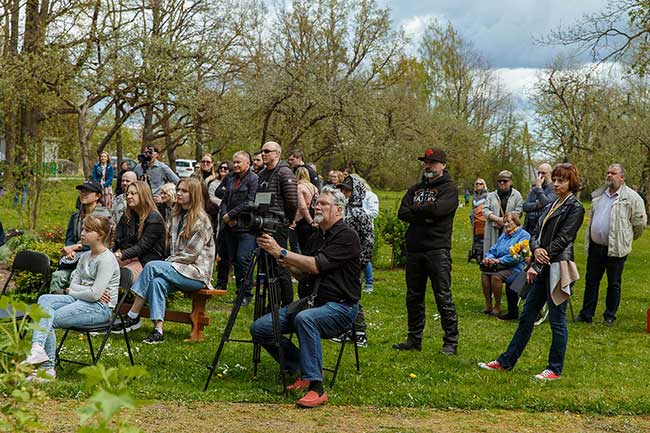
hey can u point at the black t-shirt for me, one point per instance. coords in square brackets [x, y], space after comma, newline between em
[337, 254]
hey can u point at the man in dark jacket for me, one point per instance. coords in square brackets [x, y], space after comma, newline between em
[236, 190]
[296, 159]
[278, 179]
[429, 207]
[539, 196]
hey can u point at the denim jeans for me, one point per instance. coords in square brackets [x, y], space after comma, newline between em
[312, 325]
[537, 296]
[367, 272]
[65, 311]
[598, 262]
[239, 247]
[157, 279]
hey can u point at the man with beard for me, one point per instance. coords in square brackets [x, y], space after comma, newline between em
[429, 207]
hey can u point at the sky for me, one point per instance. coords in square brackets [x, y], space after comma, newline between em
[502, 31]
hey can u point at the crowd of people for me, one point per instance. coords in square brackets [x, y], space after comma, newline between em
[170, 234]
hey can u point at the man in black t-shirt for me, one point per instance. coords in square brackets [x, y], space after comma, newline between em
[332, 266]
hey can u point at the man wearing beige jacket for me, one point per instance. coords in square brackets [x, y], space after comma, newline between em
[617, 217]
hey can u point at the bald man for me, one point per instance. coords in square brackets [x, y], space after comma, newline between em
[119, 201]
[540, 195]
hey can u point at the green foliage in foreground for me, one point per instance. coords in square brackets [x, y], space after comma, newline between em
[605, 369]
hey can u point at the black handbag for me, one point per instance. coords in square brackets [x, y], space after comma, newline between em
[304, 303]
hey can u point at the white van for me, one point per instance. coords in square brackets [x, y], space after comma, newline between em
[185, 167]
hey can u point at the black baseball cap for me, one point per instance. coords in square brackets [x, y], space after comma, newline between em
[90, 185]
[434, 155]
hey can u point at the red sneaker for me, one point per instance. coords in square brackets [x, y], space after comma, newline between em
[298, 385]
[547, 375]
[312, 399]
[492, 365]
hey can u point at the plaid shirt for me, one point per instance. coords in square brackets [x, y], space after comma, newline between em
[194, 257]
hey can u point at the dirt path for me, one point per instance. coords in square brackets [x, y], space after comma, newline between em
[241, 417]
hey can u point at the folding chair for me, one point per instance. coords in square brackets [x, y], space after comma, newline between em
[352, 332]
[31, 261]
[103, 328]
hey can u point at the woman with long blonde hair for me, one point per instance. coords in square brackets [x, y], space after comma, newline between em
[304, 217]
[189, 266]
[140, 233]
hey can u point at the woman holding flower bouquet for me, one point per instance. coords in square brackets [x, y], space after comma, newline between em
[552, 248]
[503, 260]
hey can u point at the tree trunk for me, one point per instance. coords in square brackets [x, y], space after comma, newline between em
[119, 146]
[83, 141]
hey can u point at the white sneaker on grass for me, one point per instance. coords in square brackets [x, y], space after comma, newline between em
[43, 375]
[37, 355]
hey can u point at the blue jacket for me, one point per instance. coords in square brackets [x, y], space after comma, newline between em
[97, 174]
[234, 197]
[501, 250]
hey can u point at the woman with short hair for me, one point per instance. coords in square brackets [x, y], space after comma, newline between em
[499, 264]
[188, 268]
[551, 274]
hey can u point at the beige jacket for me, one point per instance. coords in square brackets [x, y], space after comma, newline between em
[626, 221]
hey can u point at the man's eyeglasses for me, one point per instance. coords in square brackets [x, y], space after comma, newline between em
[503, 180]
[266, 151]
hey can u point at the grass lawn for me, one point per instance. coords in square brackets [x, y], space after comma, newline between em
[605, 370]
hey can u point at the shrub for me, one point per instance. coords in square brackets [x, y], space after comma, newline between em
[394, 234]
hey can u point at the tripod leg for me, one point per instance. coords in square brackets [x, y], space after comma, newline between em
[274, 303]
[230, 324]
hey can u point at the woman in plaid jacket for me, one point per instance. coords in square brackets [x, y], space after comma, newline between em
[189, 266]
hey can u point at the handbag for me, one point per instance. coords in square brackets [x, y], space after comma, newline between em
[492, 268]
[519, 285]
[304, 303]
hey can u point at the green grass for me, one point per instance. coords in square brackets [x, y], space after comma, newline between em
[605, 370]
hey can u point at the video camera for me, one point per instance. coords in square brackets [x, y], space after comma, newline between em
[145, 159]
[256, 218]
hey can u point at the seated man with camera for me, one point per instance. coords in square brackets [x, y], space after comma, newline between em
[330, 289]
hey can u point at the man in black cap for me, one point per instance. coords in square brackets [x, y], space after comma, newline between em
[429, 207]
[90, 193]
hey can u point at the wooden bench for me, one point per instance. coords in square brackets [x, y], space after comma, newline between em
[197, 317]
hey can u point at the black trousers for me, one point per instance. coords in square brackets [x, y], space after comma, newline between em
[434, 265]
[598, 262]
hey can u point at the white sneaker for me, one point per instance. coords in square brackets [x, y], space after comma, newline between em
[46, 375]
[37, 355]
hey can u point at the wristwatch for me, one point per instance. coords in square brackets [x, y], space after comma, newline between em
[283, 254]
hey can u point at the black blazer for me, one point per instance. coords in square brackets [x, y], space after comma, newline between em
[560, 231]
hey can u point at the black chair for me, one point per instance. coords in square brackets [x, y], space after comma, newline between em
[103, 328]
[31, 261]
[352, 332]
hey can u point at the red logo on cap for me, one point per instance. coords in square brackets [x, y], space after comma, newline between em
[428, 152]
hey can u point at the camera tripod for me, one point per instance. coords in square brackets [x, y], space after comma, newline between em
[266, 285]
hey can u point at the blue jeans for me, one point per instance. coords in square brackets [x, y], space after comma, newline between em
[64, 312]
[157, 279]
[537, 296]
[239, 247]
[367, 272]
[325, 321]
